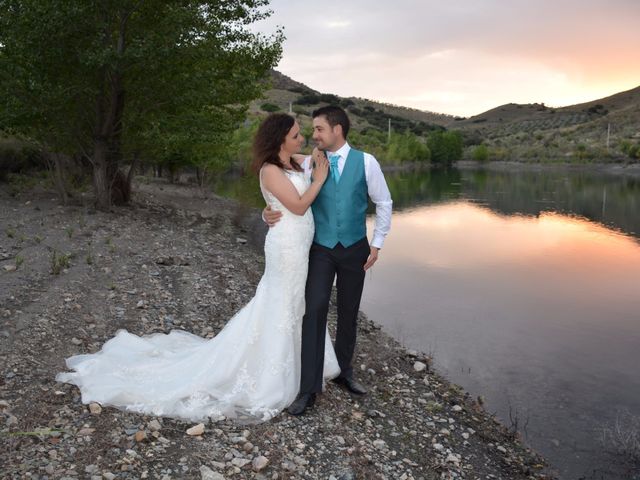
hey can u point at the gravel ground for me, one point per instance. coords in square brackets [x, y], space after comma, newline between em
[70, 277]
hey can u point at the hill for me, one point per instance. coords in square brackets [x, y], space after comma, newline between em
[287, 94]
[600, 129]
[522, 132]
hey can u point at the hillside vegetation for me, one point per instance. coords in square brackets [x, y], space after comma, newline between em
[516, 132]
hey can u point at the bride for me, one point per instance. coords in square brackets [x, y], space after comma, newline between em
[250, 371]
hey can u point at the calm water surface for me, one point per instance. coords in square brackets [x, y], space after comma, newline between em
[526, 289]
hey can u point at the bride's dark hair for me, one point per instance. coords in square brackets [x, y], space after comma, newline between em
[268, 140]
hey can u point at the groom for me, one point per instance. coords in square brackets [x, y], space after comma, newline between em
[340, 250]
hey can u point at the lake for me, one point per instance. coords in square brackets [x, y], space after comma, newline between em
[525, 288]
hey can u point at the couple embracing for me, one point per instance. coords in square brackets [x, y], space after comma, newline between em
[275, 352]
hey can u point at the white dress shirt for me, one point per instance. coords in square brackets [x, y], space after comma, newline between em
[376, 186]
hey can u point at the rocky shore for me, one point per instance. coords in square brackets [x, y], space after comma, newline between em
[70, 277]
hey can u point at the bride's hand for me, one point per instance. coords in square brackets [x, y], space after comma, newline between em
[320, 165]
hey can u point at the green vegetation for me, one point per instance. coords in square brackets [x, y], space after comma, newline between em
[59, 262]
[269, 107]
[481, 153]
[446, 147]
[189, 70]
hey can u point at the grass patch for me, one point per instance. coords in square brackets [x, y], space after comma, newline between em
[59, 262]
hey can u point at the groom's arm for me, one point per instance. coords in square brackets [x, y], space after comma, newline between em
[381, 197]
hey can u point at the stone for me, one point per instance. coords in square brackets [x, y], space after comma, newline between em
[453, 458]
[380, 444]
[140, 436]
[207, 474]
[95, 408]
[154, 425]
[259, 463]
[240, 462]
[419, 366]
[196, 430]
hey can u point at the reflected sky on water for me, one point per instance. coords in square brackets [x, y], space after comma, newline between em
[523, 301]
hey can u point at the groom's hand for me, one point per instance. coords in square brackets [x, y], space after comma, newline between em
[271, 217]
[373, 256]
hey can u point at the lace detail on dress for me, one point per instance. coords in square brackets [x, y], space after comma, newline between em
[249, 371]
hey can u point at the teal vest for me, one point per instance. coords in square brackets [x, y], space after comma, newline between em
[340, 210]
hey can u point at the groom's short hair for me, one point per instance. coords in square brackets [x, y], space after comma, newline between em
[335, 116]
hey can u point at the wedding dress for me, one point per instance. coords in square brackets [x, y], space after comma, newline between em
[250, 371]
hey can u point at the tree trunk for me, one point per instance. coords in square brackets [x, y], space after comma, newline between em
[101, 180]
[56, 167]
[110, 184]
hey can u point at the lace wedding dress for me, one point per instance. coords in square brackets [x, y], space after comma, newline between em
[250, 371]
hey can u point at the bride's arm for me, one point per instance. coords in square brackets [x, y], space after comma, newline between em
[279, 185]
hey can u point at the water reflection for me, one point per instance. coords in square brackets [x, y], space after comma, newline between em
[608, 199]
[538, 313]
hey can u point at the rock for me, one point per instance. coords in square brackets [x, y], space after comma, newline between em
[419, 366]
[379, 444]
[10, 268]
[76, 341]
[91, 469]
[453, 458]
[83, 432]
[95, 408]
[196, 430]
[259, 463]
[240, 462]
[140, 436]
[500, 448]
[108, 476]
[208, 474]
[456, 408]
[154, 425]
[439, 447]
[247, 447]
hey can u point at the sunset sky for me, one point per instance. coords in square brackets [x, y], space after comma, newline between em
[461, 57]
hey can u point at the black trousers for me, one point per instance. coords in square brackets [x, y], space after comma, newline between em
[324, 265]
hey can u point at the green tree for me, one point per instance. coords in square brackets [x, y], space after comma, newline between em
[445, 147]
[481, 153]
[118, 80]
[406, 147]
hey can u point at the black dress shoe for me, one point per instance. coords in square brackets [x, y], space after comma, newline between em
[351, 385]
[300, 404]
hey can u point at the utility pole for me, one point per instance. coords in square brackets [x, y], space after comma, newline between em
[389, 134]
[290, 107]
[608, 134]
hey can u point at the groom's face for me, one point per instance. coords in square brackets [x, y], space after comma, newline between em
[326, 136]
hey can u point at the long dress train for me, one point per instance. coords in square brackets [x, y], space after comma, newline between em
[250, 371]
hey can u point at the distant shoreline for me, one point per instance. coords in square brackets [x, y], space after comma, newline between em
[630, 169]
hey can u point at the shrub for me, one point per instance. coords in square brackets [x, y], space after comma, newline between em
[481, 153]
[445, 147]
[269, 107]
